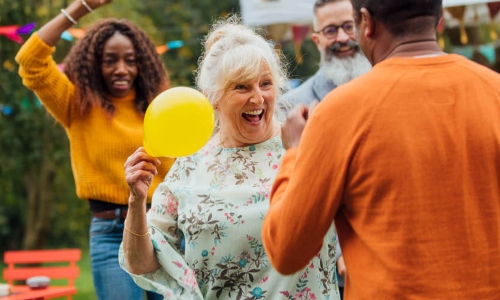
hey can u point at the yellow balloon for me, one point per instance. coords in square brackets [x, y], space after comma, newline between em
[178, 122]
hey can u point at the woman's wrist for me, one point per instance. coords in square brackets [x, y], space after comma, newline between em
[84, 3]
[136, 204]
[77, 10]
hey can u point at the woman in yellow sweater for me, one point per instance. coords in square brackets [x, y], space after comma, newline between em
[110, 76]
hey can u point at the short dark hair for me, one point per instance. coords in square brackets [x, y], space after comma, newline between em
[402, 16]
[320, 3]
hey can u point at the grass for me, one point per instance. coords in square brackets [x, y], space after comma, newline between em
[84, 283]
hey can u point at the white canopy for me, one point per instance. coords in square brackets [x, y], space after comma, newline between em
[448, 3]
[267, 12]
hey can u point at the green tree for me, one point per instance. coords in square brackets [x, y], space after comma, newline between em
[35, 188]
[38, 205]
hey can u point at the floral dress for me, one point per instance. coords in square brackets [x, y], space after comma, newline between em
[205, 223]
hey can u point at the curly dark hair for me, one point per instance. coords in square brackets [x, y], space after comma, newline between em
[402, 16]
[83, 66]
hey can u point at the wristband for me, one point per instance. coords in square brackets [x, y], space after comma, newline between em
[65, 13]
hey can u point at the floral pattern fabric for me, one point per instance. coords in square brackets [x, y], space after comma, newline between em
[205, 223]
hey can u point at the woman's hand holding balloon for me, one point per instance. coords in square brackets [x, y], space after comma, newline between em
[140, 168]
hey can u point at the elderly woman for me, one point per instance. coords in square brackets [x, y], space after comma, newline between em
[202, 237]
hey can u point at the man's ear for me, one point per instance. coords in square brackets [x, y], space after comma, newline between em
[367, 23]
[441, 16]
[315, 39]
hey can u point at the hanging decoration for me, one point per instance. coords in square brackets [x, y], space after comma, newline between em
[489, 52]
[13, 32]
[6, 109]
[467, 50]
[299, 34]
[78, 33]
[9, 66]
[493, 7]
[277, 32]
[170, 45]
[458, 13]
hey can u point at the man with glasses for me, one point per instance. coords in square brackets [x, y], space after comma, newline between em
[341, 58]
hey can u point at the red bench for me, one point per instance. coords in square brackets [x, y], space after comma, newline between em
[55, 264]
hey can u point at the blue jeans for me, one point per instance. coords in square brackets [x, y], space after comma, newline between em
[111, 282]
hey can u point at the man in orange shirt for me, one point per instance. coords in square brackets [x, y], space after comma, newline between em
[405, 159]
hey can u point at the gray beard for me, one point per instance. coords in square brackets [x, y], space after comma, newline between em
[342, 70]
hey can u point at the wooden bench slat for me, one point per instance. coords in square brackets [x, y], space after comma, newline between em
[36, 256]
[51, 272]
[54, 263]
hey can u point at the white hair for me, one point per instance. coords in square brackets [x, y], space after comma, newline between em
[234, 53]
[343, 69]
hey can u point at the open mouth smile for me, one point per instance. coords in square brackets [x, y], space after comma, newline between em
[253, 116]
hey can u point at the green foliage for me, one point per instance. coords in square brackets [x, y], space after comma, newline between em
[30, 139]
[186, 20]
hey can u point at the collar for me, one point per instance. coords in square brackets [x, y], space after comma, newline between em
[130, 97]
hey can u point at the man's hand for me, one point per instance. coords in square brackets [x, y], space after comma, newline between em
[291, 131]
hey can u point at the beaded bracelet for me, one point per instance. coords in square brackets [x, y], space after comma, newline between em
[64, 12]
[87, 6]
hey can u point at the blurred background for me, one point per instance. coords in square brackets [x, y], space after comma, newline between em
[38, 205]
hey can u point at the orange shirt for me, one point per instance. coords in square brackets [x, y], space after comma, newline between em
[406, 160]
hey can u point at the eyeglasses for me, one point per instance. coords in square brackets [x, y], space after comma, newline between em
[331, 31]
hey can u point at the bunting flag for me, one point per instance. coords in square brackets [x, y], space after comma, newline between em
[486, 50]
[78, 33]
[489, 52]
[6, 109]
[299, 34]
[493, 7]
[467, 51]
[458, 13]
[170, 45]
[277, 32]
[66, 36]
[26, 104]
[8, 65]
[13, 32]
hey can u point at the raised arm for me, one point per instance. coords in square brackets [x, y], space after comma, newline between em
[52, 30]
[306, 192]
[138, 249]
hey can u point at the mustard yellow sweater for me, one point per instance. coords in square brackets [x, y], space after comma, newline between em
[99, 145]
